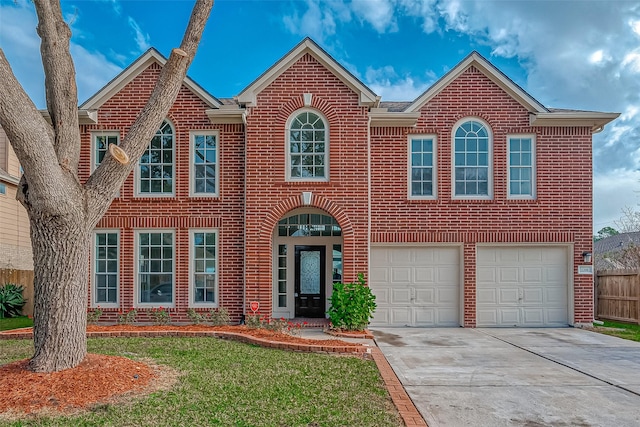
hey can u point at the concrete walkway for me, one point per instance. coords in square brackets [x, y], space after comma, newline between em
[516, 377]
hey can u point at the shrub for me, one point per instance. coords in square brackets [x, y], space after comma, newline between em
[219, 317]
[127, 318]
[253, 321]
[93, 316]
[160, 316]
[352, 305]
[11, 300]
[195, 317]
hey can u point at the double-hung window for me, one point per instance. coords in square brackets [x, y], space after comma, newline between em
[105, 268]
[521, 164]
[155, 267]
[307, 147]
[156, 166]
[204, 163]
[101, 141]
[204, 268]
[472, 170]
[422, 169]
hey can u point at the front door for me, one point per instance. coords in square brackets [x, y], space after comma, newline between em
[310, 281]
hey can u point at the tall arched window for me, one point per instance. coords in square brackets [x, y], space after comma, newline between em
[307, 147]
[472, 169]
[156, 171]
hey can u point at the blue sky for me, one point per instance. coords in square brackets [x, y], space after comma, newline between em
[566, 54]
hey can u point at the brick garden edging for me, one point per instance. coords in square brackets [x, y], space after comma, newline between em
[307, 348]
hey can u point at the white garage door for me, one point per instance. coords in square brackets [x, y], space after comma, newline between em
[416, 286]
[522, 286]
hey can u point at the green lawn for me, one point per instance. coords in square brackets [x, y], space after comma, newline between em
[628, 331]
[226, 383]
[15, 323]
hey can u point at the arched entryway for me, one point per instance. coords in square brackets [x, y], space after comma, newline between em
[307, 260]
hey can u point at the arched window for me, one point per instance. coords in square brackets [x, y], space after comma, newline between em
[307, 147]
[472, 171]
[155, 170]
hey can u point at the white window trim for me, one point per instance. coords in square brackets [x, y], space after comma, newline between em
[192, 302]
[95, 134]
[93, 303]
[327, 139]
[136, 279]
[489, 195]
[136, 172]
[192, 171]
[534, 168]
[434, 196]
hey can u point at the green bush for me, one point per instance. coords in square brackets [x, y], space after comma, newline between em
[352, 305]
[11, 300]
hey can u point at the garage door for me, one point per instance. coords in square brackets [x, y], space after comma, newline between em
[416, 286]
[522, 286]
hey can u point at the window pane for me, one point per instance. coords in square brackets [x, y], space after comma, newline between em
[105, 277]
[314, 155]
[157, 162]
[155, 278]
[204, 253]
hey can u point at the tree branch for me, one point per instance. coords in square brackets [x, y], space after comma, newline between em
[109, 176]
[61, 90]
[31, 138]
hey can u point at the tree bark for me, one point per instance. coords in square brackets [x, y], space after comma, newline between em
[62, 211]
[60, 253]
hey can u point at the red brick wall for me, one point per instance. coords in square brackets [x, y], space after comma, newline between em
[560, 213]
[182, 212]
[269, 196]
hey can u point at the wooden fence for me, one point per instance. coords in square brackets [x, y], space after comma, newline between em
[618, 295]
[24, 278]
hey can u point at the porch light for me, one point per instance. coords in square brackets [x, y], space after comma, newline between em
[586, 257]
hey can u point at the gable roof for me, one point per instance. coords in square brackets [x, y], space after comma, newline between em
[616, 243]
[132, 71]
[489, 70]
[249, 94]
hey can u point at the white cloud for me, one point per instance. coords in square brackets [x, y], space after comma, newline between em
[142, 39]
[392, 87]
[378, 13]
[21, 45]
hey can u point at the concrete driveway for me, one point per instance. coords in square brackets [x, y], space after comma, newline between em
[516, 377]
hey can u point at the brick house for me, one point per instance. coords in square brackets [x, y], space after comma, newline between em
[470, 205]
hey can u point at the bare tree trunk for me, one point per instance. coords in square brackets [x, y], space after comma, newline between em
[60, 252]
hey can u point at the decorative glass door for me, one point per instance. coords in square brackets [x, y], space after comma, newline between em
[310, 281]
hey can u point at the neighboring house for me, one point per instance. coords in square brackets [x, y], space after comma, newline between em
[470, 205]
[617, 252]
[15, 241]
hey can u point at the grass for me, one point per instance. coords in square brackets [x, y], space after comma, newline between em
[226, 383]
[15, 323]
[628, 331]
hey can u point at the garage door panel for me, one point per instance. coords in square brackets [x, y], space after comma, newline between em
[400, 275]
[400, 296]
[422, 283]
[425, 296]
[533, 296]
[509, 316]
[447, 296]
[382, 295]
[424, 274]
[486, 274]
[509, 274]
[400, 316]
[532, 274]
[380, 275]
[487, 296]
[530, 283]
[508, 296]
